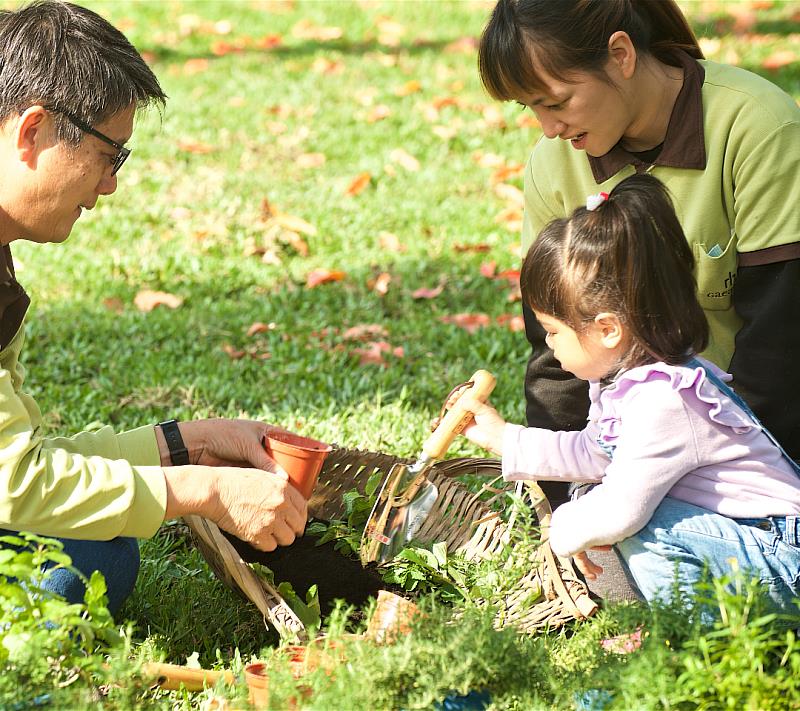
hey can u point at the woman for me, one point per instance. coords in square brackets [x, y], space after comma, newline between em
[621, 86]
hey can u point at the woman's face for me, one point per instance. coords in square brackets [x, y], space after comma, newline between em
[590, 113]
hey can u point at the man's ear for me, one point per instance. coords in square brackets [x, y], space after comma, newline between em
[622, 54]
[610, 329]
[33, 132]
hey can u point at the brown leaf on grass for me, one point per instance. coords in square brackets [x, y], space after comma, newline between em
[380, 284]
[364, 332]
[504, 172]
[378, 113]
[514, 322]
[295, 241]
[446, 132]
[426, 293]
[310, 160]
[389, 32]
[323, 65]
[509, 193]
[259, 327]
[493, 117]
[510, 275]
[527, 120]
[189, 146]
[295, 224]
[196, 65]
[410, 87]
[441, 102]
[469, 322]
[511, 217]
[114, 304]
[268, 42]
[488, 269]
[323, 276]
[390, 242]
[372, 353]
[358, 184]
[463, 45]
[779, 60]
[307, 30]
[233, 353]
[488, 160]
[477, 248]
[404, 159]
[146, 300]
[221, 48]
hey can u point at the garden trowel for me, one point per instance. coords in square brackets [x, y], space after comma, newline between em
[407, 496]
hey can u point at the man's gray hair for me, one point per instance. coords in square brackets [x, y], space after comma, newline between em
[65, 56]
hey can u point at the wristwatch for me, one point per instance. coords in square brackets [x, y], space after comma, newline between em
[178, 453]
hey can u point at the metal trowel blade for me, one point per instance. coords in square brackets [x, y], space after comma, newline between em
[404, 521]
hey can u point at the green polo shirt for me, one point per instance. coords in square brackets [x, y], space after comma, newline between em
[95, 485]
[731, 162]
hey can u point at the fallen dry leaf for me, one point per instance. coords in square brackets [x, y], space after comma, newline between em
[488, 269]
[358, 184]
[112, 303]
[510, 275]
[404, 159]
[268, 42]
[310, 160]
[478, 248]
[427, 293]
[195, 65]
[441, 102]
[323, 65]
[295, 241]
[514, 322]
[390, 242]
[221, 48]
[372, 353]
[466, 45]
[364, 332]
[378, 113]
[296, 224]
[146, 300]
[779, 60]
[469, 322]
[380, 285]
[527, 120]
[504, 172]
[233, 353]
[305, 29]
[488, 160]
[509, 193]
[190, 146]
[259, 327]
[410, 87]
[511, 217]
[322, 276]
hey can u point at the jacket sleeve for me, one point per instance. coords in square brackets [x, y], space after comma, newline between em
[767, 299]
[655, 449]
[80, 487]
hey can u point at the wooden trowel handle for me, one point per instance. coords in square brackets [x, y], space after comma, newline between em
[172, 676]
[456, 419]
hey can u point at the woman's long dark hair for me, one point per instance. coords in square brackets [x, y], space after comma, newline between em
[630, 257]
[563, 36]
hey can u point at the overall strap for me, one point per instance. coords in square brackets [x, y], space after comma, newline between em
[725, 389]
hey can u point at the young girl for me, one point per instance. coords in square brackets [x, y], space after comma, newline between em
[686, 476]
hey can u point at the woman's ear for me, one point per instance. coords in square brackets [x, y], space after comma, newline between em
[610, 329]
[622, 54]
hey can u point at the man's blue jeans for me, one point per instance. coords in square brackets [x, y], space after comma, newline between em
[117, 559]
[699, 540]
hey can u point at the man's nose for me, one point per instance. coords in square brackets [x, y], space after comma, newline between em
[107, 185]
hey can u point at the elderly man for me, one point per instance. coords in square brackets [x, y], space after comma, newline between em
[70, 85]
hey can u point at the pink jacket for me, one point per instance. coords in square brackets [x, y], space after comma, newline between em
[672, 433]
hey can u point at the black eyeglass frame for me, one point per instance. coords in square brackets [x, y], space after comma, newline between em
[122, 151]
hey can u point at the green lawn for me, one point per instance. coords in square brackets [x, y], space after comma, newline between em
[276, 111]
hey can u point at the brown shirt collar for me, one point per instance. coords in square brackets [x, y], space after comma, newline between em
[13, 299]
[684, 145]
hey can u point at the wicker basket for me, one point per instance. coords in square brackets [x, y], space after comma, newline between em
[550, 595]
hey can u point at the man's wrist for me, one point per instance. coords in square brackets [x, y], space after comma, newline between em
[171, 446]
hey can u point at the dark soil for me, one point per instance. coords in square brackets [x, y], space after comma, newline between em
[304, 564]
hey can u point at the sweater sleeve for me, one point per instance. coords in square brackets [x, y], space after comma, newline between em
[655, 448]
[79, 487]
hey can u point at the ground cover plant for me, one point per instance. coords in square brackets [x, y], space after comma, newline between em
[322, 231]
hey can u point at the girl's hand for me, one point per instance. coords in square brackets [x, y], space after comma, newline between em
[588, 567]
[485, 428]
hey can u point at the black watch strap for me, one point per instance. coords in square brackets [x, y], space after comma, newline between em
[177, 449]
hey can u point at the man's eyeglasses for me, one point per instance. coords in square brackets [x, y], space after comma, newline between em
[122, 152]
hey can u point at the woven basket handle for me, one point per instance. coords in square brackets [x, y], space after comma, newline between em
[481, 385]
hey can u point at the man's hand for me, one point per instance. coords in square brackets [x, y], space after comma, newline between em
[588, 567]
[223, 443]
[261, 508]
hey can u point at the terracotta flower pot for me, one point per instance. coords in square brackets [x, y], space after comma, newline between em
[392, 617]
[300, 457]
[257, 678]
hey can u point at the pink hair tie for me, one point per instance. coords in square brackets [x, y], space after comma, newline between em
[594, 201]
